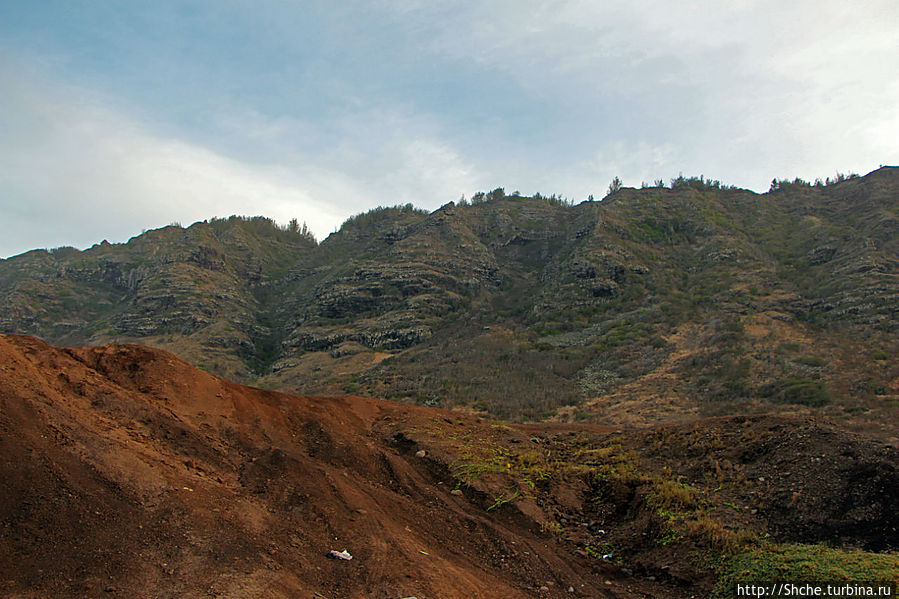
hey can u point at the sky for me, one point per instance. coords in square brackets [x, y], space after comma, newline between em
[118, 116]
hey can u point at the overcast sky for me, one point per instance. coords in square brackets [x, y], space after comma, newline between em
[118, 116]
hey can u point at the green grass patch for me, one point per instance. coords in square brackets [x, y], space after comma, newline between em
[793, 562]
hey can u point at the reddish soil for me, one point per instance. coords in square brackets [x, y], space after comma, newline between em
[125, 472]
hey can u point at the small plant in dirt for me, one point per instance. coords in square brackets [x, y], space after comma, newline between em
[552, 527]
[670, 537]
[605, 552]
[507, 496]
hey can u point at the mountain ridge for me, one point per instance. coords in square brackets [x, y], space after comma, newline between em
[691, 300]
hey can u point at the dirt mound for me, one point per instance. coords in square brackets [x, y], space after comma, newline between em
[126, 472]
[810, 482]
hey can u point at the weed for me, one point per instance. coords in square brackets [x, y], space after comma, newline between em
[504, 498]
[603, 552]
[813, 361]
[670, 537]
[669, 495]
[716, 535]
[552, 527]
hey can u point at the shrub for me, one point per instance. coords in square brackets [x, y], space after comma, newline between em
[813, 361]
[614, 186]
[798, 390]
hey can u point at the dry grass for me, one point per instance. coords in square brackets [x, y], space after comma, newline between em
[711, 531]
[671, 495]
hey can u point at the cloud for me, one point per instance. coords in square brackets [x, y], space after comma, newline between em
[73, 172]
[75, 169]
[743, 90]
[319, 113]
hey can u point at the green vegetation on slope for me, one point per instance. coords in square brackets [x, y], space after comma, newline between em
[519, 307]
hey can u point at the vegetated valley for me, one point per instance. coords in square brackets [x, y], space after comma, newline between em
[654, 395]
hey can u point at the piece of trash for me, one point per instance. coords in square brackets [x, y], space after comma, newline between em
[344, 555]
[600, 532]
[423, 552]
[608, 556]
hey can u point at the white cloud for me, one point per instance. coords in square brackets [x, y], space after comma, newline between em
[74, 173]
[560, 96]
[75, 169]
[744, 90]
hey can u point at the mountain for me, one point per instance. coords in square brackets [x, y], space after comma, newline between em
[652, 305]
[125, 472]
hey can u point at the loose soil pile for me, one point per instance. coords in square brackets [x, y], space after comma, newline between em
[126, 472]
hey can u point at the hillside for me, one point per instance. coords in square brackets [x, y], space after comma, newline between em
[125, 472]
[653, 305]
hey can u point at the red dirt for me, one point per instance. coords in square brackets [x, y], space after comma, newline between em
[125, 472]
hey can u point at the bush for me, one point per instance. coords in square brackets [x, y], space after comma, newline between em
[614, 186]
[812, 361]
[798, 390]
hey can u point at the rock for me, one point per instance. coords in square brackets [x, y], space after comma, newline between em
[821, 255]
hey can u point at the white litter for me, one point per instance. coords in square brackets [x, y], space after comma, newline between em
[345, 555]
